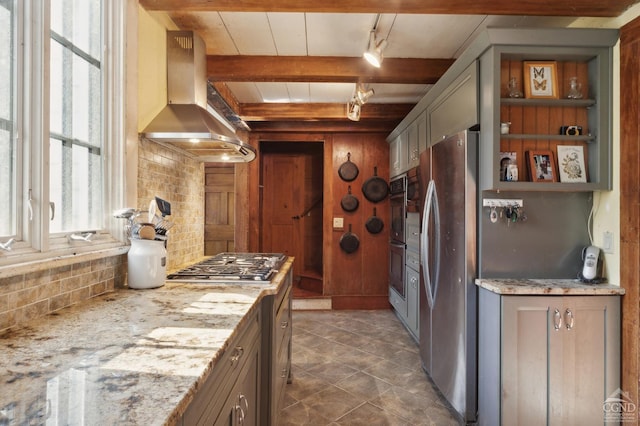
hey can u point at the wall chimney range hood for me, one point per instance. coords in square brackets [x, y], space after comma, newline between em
[184, 121]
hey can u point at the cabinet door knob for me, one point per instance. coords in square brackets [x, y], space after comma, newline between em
[237, 354]
[284, 324]
[557, 320]
[568, 319]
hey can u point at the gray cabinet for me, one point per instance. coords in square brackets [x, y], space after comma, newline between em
[408, 308]
[231, 392]
[536, 122]
[276, 365]
[456, 108]
[398, 155]
[547, 359]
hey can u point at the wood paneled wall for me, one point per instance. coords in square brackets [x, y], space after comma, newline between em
[353, 281]
[630, 205]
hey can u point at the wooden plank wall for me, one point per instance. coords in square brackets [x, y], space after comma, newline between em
[630, 205]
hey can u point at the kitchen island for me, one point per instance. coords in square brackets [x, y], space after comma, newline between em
[132, 357]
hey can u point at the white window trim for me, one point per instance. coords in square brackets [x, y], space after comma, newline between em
[33, 130]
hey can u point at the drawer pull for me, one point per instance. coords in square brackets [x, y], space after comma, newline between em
[283, 373]
[284, 324]
[557, 320]
[237, 354]
[568, 319]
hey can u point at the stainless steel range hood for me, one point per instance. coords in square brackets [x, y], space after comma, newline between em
[185, 121]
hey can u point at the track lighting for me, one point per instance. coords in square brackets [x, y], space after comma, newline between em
[373, 54]
[359, 98]
[353, 109]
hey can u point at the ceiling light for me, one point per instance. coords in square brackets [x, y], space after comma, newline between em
[363, 94]
[373, 55]
[353, 110]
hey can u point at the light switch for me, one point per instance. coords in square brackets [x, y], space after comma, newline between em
[607, 242]
[338, 223]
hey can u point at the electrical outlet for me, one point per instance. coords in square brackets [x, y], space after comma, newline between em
[338, 223]
[607, 242]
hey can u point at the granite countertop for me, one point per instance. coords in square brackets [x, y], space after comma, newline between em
[131, 357]
[518, 286]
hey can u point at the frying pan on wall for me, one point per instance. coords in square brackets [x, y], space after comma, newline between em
[349, 202]
[349, 242]
[348, 171]
[375, 189]
[374, 224]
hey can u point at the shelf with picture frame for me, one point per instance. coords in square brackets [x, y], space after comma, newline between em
[587, 55]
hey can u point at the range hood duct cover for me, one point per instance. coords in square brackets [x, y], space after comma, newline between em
[185, 122]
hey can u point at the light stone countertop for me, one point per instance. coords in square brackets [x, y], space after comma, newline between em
[567, 287]
[132, 357]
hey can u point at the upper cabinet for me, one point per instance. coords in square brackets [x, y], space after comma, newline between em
[546, 99]
[456, 108]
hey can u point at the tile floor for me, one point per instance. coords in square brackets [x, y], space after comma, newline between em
[358, 368]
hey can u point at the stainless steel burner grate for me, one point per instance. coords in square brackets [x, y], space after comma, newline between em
[232, 267]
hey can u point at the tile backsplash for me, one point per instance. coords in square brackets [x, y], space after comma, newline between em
[162, 171]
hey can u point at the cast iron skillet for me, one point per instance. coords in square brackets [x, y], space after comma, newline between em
[349, 202]
[349, 242]
[348, 171]
[375, 189]
[374, 224]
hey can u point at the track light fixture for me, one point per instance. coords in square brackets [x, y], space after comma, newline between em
[359, 98]
[373, 54]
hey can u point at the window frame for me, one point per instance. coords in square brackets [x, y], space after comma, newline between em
[34, 242]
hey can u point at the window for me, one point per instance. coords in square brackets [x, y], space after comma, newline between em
[8, 117]
[75, 98]
[61, 125]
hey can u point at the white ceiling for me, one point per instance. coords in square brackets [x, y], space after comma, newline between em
[331, 34]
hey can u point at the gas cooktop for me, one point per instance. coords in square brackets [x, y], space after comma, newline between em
[232, 267]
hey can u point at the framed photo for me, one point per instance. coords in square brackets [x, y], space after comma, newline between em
[540, 80]
[571, 163]
[542, 168]
[508, 166]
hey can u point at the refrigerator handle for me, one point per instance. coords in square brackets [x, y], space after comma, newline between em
[424, 242]
[436, 238]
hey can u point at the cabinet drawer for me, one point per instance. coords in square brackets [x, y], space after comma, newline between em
[209, 400]
[281, 373]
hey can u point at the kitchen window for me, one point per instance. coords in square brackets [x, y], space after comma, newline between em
[61, 126]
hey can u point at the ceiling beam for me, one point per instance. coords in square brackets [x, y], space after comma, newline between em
[325, 69]
[598, 8]
[319, 111]
[308, 127]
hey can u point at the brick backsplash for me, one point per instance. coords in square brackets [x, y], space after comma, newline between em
[28, 296]
[163, 172]
[178, 179]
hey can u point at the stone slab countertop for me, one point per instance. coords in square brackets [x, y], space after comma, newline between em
[131, 357]
[567, 287]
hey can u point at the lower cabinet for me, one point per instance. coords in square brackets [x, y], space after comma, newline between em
[276, 364]
[231, 394]
[547, 359]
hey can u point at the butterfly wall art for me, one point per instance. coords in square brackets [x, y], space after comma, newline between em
[541, 80]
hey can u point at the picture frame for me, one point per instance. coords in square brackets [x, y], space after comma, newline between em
[542, 167]
[540, 80]
[572, 164]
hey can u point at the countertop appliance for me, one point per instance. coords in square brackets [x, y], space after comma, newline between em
[232, 267]
[448, 261]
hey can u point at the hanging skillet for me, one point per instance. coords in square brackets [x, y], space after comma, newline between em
[348, 171]
[349, 242]
[374, 224]
[349, 202]
[375, 189]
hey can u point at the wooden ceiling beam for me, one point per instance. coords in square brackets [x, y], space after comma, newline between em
[596, 8]
[325, 69]
[319, 111]
[309, 127]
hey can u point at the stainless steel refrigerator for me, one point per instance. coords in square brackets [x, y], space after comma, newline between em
[448, 305]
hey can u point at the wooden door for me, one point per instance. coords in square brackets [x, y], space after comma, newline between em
[219, 209]
[282, 199]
